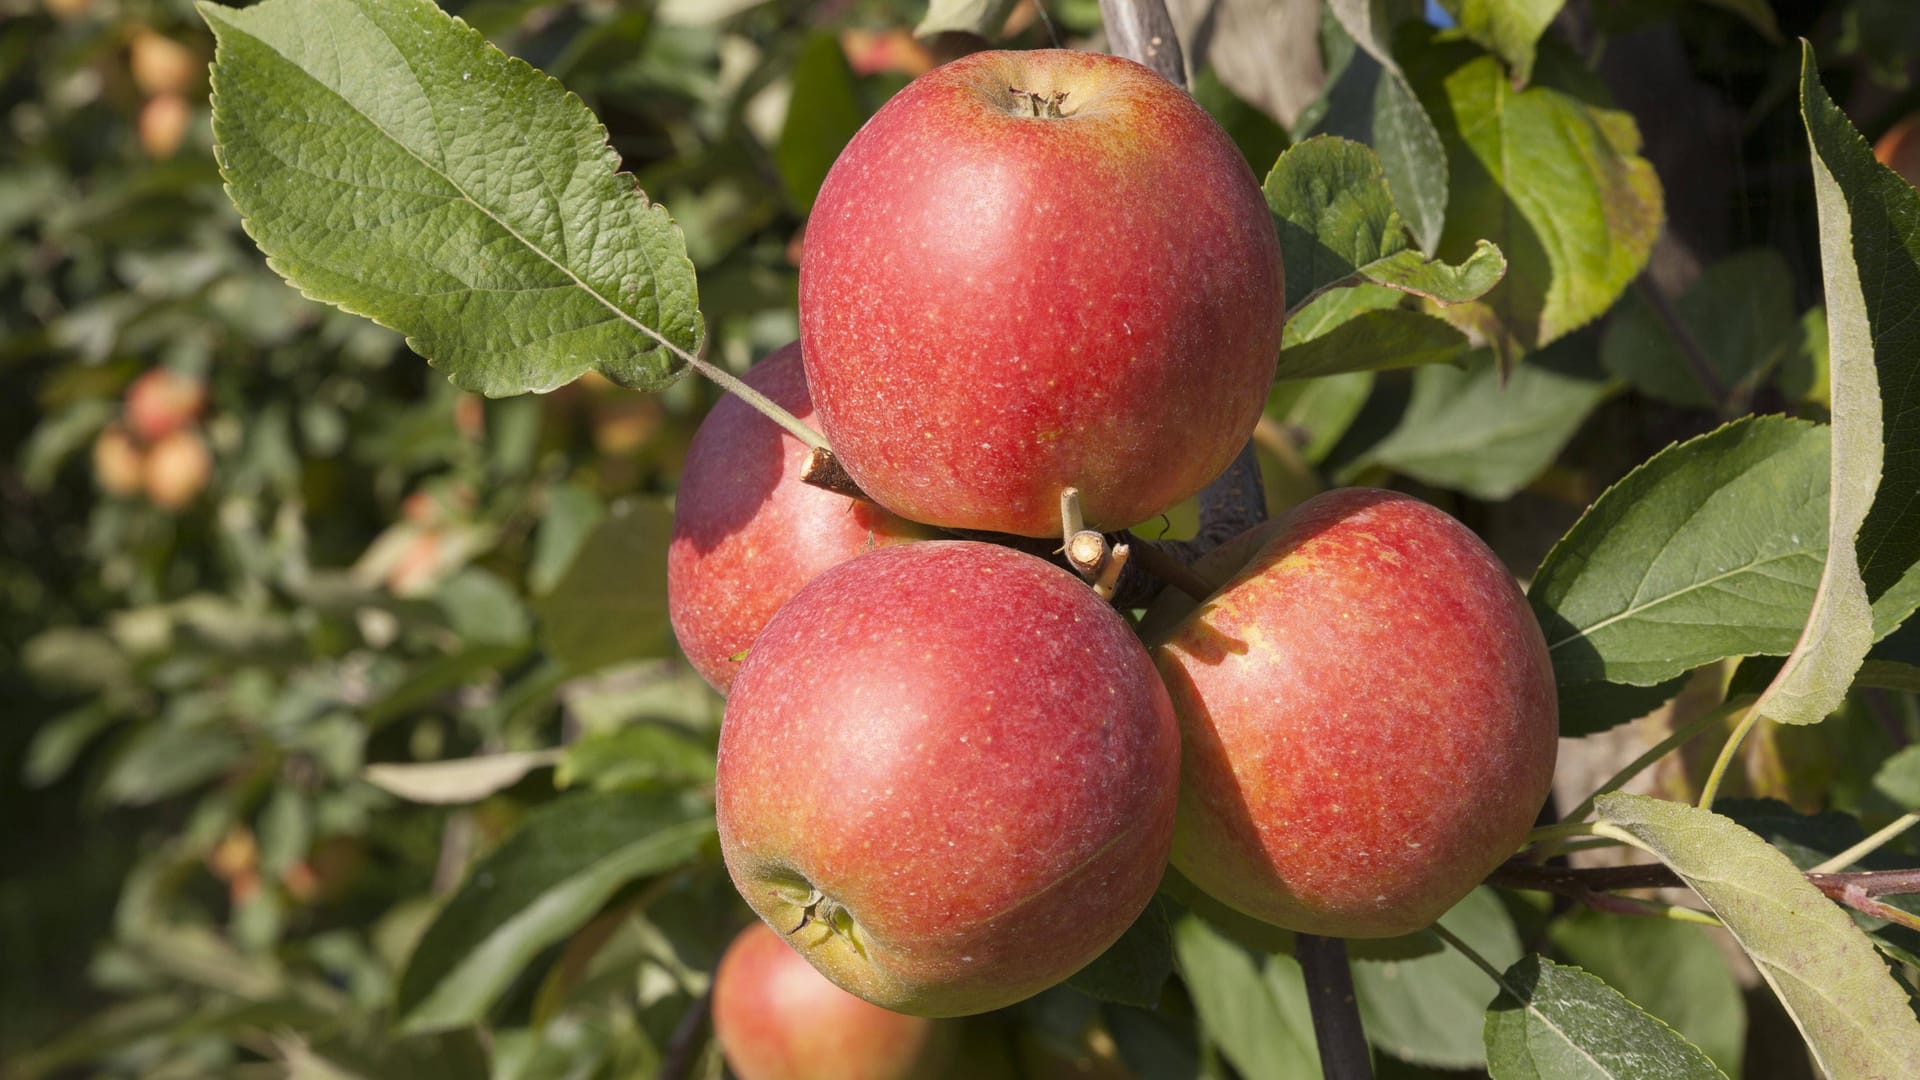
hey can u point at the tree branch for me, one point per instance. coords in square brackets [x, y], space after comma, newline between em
[1336, 1015]
[1858, 890]
[1142, 30]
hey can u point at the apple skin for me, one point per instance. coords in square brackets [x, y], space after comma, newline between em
[747, 532]
[968, 756]
[177, 469]
[1368, 720]
[1899, 148]
[119, 464]
[996, 305]
[163, 401]
[778, 1019]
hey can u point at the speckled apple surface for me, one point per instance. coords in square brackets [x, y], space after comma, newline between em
[747, 532]
[947, 773]
[996, 304]
[778, 1019]
[1368, 720]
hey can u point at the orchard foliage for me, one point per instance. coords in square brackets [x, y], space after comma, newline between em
[350, 737]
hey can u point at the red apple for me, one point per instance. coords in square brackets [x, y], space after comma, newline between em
[1036, 270]
[947, 773]
[747, 533]
[161, 65]
[162, 401]
[1368, 720]
[1899, 148]
[177, 469]
[778, 1019]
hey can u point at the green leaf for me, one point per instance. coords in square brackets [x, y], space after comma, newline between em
[1839, 630]
[439, 187]
[1853, 1015]
[1508, 28]
[1671, 969]
[1870, 257]
[566, 860]
[1316, 412]
[1888, 675]
[1427, 1010]
[982, 18]
[1399, 129]
[1553, 1022]
[823, 114]
[1712, 548]
[1255, 1010]
[462, 780]
[1352, 330]
[1741, 315]
[1466, 431]
[636, 756]
[1338, 226]
[1553, 175]
[1757, 13]
[1899, 777]
[1133, 969]
[1587, 708]
[611, 604]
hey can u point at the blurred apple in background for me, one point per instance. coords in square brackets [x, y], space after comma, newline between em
[776, 1018]
[119, 465]
[177, 469]
[163, 401]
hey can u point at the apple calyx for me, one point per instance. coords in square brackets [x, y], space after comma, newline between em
[1044, 106]
[830, 914]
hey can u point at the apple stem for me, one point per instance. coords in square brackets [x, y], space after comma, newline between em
[1336, 1011]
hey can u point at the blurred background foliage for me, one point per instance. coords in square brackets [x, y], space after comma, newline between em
[231, 653]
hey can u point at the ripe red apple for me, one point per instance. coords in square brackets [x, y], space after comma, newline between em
[1368, 720]
[1899, 148]
[778, 1019]
[163, 125]
[177, 469]
[118, 462]
[747, 533]
[947, 773]
[161, 65]
[1035, 270]
[162, 401]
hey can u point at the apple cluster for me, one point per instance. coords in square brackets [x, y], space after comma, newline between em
[950, 773]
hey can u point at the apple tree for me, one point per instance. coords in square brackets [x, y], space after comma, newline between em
[963, 547]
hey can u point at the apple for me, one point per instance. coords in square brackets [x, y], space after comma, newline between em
[747, 532]
[1368, 720]
[778, 1019]
[176, 469]
[163, 401]
[1899, 148]
[118, 462]
[947, 773]
[161, 65]
[1037, 270]
[163, 125]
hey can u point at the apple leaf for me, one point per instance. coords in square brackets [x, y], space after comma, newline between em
[567, 859]
[823, 114]
[1870, 257]
[1711, 548]
[981, 18]
[1363, 329]
[460, 780]
[1427, 1010]
[1899, 777]
[611, 603]
[1553, 175]
[1888, 675]
[1255, 1010]
[441, 188]
[1839, 630]
[1510, 29]
[1587, 708]
[1133, 969]
[1339, 227]
[1671, 969]
[1396, 124]
[636, 756]
[1757, 13]
[1316, 412]
[1852, 1013]
[1739, 313]
[1466, 431]
[1554, 1022]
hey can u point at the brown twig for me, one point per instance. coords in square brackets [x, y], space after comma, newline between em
[683, 1046]
[1336, 1017]
[1858, 890]
[1142, 30]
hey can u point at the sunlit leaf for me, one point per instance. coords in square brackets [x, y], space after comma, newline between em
[1554, 1022]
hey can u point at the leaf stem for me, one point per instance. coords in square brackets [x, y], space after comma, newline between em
[1679, 737]
[760, 402]
[1336, 1012]
[1712, 786]
[1479, 961]
[1690, 349]
[1868, 846]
